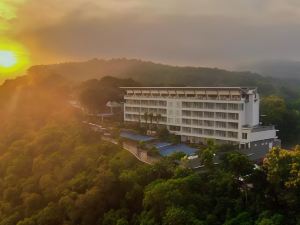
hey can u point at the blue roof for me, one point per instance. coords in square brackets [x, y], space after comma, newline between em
[162, 144]
[169, 150]
[135, 137]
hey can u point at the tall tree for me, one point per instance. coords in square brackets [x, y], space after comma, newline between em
[146, 117]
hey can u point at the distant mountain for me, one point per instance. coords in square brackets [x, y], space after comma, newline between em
[277, 68]
[154, 74]
[147, 72]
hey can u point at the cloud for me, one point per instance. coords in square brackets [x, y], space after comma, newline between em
[195, 32]
[8, 12]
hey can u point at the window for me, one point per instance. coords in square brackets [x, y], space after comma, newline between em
[220, 124]
[144, 102]
[220, 133]
[209, 105]
[209, 114]
[162, 103]
[197, 114]
[197, 131]
[224, 97]
[231, 134]
[199, 105]
[232, 125]
[209, 132]
[222, 106]
[244, 135]
[197, 122]
[233, 116]
[186, 113]
[221, 115]
[190, 95]
[186, 121]
[208, 123]
[186, 129]
[232, 106]
[241, 107]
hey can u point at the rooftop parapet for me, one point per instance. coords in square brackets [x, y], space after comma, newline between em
[221, 93]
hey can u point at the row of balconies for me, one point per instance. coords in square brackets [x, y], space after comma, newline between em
[212, 105]
[174, 96]
[210, 132]
[141, 118]
[189, 130]
[208, 123]
[145, 110]
[154, 103]
[190, 105]
[147, 102]
[204, 121]
[204, 114]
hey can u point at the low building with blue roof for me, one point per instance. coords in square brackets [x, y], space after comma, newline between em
[136, 137]
[171, 149]
[164, 148]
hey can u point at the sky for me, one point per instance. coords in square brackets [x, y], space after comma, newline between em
[213, 33]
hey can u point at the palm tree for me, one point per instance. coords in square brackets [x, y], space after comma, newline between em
[158, 119]
[151, 116]
[139, 118]
[146, 116]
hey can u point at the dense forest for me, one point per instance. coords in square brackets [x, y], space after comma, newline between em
[56, 171]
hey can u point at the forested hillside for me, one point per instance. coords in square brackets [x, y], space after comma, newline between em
[277, 68]
[148, 73]
[56, 171]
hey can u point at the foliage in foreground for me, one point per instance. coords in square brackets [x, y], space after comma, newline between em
[64, 174]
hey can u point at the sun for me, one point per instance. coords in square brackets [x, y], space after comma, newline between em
[7, 59]
[14, 59]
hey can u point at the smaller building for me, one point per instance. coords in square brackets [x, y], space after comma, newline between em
[164, 148]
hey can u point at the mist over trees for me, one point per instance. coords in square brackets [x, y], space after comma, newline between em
[149, 73]
[277, 68]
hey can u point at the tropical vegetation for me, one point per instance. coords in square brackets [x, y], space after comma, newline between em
[56, 171]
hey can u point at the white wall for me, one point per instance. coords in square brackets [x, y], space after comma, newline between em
[258, 136]
[262, 135]
[174, 112]
[252, 110]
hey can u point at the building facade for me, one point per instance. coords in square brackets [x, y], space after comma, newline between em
[225, 114]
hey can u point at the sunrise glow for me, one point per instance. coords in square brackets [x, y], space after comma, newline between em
[14, 58]
[7, 59]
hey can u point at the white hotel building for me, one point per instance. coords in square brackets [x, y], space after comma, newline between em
[225, 114]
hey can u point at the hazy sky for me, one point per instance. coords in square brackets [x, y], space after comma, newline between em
[220, 33]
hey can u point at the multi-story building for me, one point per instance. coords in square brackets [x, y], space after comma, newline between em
[225, 114]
